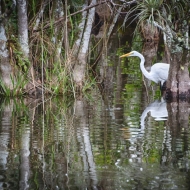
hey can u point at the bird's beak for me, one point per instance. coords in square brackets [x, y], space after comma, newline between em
[125, 55]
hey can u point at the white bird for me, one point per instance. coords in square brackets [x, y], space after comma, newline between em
[159, 71]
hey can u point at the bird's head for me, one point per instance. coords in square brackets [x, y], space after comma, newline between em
[132, 53]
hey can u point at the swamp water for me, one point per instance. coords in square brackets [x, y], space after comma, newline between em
[124, 139]
[93, 144]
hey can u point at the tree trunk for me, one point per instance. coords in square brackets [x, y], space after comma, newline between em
[5, 66]
[23, 40]
[83, 42]
[183, 77]
[149, 32]
[178, 84]
[172, 82]
[23, 26]
[59, 30]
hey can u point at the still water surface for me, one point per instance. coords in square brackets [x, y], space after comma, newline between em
[126, 137]
[117, 142]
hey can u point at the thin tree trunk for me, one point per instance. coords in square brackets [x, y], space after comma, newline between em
[80, 66]
[40, 15]
[23, 40]
[23, 26]
[59, 30]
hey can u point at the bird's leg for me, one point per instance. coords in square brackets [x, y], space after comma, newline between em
[160, 86]
[163, 87]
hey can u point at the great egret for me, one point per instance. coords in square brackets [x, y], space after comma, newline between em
[159, 71]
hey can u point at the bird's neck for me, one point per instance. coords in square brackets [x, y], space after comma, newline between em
[144, 71]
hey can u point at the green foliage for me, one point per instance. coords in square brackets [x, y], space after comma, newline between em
[178, 9]
[73, 27]
[19, 85]
[33, 6]
[18, 59]
[148, 11]
[22, 62]
[76, 3]
[19, 82]
[4, 90]
[161, 11]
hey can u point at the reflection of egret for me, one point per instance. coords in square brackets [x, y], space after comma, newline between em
[157, 110]
[158, 72]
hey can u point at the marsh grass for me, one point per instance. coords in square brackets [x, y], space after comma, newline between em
[55, 73]
[19, 82]
[51, 50]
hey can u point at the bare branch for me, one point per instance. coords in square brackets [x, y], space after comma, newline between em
[82, 10]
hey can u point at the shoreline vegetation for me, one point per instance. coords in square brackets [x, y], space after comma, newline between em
[55, 47]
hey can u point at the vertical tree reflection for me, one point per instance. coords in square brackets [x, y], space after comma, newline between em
[85, 147]
[178, 122]
[5, 128]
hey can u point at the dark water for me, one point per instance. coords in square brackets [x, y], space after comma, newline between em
[97, 143]
[126, 137]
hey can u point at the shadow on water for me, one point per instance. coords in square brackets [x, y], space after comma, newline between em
[125, 138]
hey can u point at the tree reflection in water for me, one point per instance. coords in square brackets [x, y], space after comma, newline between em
[111, 140]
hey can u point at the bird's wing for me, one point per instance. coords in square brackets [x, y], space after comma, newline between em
[161, 70]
